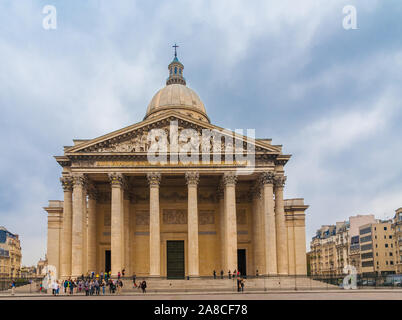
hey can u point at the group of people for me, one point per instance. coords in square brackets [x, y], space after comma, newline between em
[92, 284]
[235, 274]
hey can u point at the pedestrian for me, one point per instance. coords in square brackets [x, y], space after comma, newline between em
[57, 288]
[221, 274]
[238, 273]
[54, 287]
[134, 278]
[238, 285]
[214, 274]
[242, 285]
[123, 272]
[144, 286]
[256, 273]
[230, 275]
[103, 285]
[13, 288]
[234, 273]
[118, 275]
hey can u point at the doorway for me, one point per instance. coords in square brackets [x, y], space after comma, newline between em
[107, 261]
[242, 261]
[175, 259]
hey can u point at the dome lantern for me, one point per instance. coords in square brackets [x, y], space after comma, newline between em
[176, 70]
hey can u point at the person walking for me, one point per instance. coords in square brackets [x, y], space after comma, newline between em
[221, 274]
[13, 288]
[230, 275]
[134, 278]
[214, 274]
[118, 275]
[242, 284]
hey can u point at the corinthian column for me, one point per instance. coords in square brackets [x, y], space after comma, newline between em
[92, 198]
[154, 180]
[258, 232]
[281, 230]
[192, 179]
[229, 181]
[67, 184]
[222, 232]
[268, 213]
[78, 226]
[116, 244]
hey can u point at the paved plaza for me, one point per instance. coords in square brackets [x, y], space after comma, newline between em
[377, 294]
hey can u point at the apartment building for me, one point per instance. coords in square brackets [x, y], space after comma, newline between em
[397, 228]
[377, 249]
[336, 246]
[10, 254]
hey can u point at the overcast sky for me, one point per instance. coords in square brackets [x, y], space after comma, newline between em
[332, 97]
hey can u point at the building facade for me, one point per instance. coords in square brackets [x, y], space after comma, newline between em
[377, 250]
[397, 228]
[10, 254]
[180, 217]
[336, 246]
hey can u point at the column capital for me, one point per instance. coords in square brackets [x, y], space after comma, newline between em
[80, 179]
[116, 179]
[67, 183]
[154, 179]
[229, 178]
[192, 178]
[266, 178]
[279, 181]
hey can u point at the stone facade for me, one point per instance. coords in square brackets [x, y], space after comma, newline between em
[122, 209]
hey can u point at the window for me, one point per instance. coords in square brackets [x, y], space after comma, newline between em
[175, 70]
[390, 254]
[385, 228]
[385, 237]
[367, 263]
[386, 262]
[365, 230]
[180, 70]
[391, 263]
[390, 236]
[386, 245]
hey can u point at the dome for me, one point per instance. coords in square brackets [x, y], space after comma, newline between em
[177, 97]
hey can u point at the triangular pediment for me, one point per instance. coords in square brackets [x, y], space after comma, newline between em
[133, 139]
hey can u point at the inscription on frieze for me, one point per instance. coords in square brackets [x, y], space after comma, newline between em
[174, 216]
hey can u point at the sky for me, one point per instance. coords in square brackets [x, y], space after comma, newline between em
[288, 69]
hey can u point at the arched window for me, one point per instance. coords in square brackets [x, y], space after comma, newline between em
[171, 70]
[180, 70]
[175, 70]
